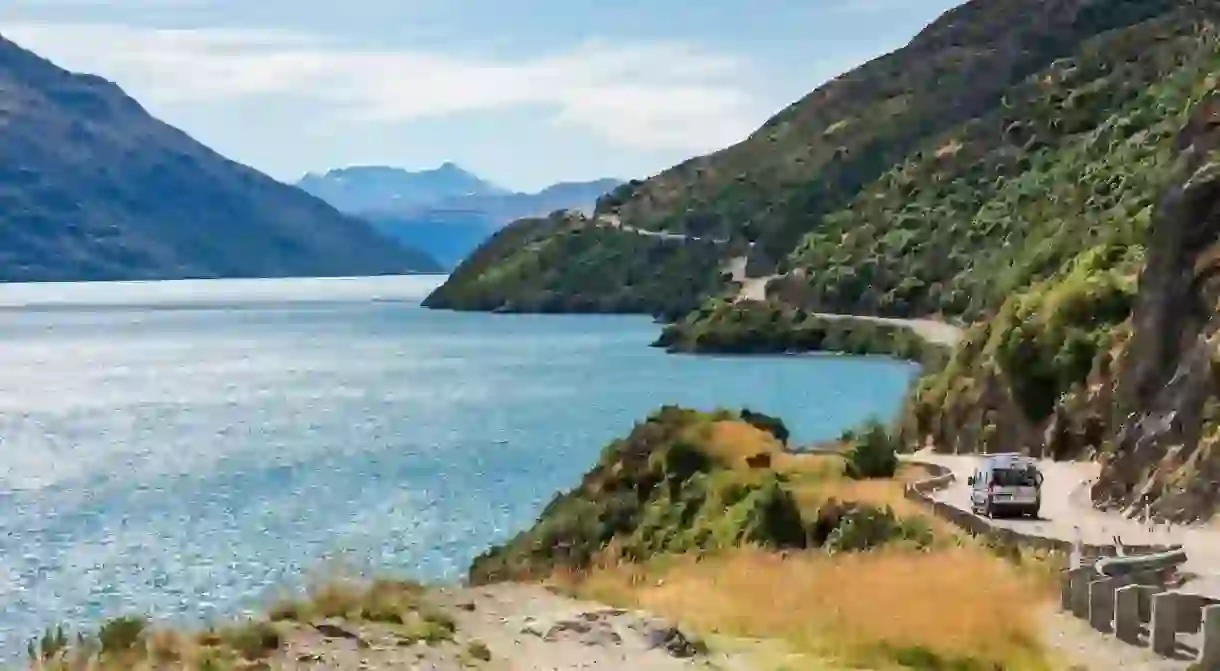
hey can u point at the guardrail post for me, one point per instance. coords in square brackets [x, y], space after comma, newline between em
[1164, 637]
[1101, 602]
[1079, 579]
[1133, 610]
[1209, 652]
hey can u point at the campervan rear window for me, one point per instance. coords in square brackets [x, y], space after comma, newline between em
[1012, 477]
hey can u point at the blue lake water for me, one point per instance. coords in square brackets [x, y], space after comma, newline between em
[186, 449]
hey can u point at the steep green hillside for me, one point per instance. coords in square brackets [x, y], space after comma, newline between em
[94, 188]
[886, 184]
[560, 263]
[1074, 158]
[814, 156]
[1071, 220]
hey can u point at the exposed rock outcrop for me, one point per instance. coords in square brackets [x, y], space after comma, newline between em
[1166, 392]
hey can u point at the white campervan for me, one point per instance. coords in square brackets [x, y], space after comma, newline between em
[1006, 483]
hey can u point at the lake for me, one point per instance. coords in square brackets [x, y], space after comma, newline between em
[189, 449]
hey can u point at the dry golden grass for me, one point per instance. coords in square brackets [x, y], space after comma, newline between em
[241, 645]
[809, 467]
[817, 478]
[398, 605]
[873, 609]
[731, 442]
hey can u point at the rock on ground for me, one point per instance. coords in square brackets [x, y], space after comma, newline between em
[524, 628]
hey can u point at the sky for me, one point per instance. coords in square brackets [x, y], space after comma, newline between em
[523, 92]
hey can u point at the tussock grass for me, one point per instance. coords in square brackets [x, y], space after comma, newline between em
[815, 479]
[957, 608]
[731, 442]
[132, 644]
[377, 601]
[390, 602]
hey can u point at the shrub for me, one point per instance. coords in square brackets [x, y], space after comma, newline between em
[865, 527]
[122, 633]
[772, 425]
[873, 453]
[666, 488]
[251, 640]
[50, 646]
[479, 651]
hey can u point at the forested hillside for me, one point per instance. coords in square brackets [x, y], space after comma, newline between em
[886, 183]
[1021, 167]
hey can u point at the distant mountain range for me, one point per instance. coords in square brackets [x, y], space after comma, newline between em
[92, 187]
[446, 211]
[380, 188]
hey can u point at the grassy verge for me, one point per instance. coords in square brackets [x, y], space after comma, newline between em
[396, 609]
[922, 596]
[959, 608]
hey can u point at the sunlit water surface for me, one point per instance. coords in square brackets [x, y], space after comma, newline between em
[189, 449]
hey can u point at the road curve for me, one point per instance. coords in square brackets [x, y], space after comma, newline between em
[933, 331]
[1068, 514]
[755, 288]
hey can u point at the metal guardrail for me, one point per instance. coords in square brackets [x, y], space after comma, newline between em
[1131, 592]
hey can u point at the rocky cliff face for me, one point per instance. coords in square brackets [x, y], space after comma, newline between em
[1166, 393]
[1116, 357]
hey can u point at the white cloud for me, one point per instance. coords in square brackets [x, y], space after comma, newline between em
[643, 95]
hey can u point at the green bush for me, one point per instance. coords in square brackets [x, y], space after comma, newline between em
[873, 453]
[52, 644]
[660, 490]
[122, 633]
[864, 527]
[479, 650]
[251, 640]
[772, 425]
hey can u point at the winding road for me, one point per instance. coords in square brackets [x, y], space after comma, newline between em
[755, 289]
[1068, 514]
[1067, 511]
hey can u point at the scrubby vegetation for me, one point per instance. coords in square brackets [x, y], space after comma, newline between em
[1005, 139]
[558, 264]
[872, 452]
[385, 601]
[772, 425]
[121, 644]
[688, 481]
[1074, 159]
[840, 551]
[751, 327]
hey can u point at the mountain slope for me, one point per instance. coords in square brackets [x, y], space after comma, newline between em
[666, 276]
[809, 166]
[446, 212]
[94, 188]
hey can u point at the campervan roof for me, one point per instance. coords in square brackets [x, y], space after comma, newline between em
[1001, 460]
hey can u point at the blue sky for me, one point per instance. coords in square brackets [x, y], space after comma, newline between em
[524, 92]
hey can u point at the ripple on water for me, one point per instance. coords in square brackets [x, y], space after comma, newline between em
[191, 462]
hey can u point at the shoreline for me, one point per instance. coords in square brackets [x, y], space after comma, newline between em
[640, 334]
